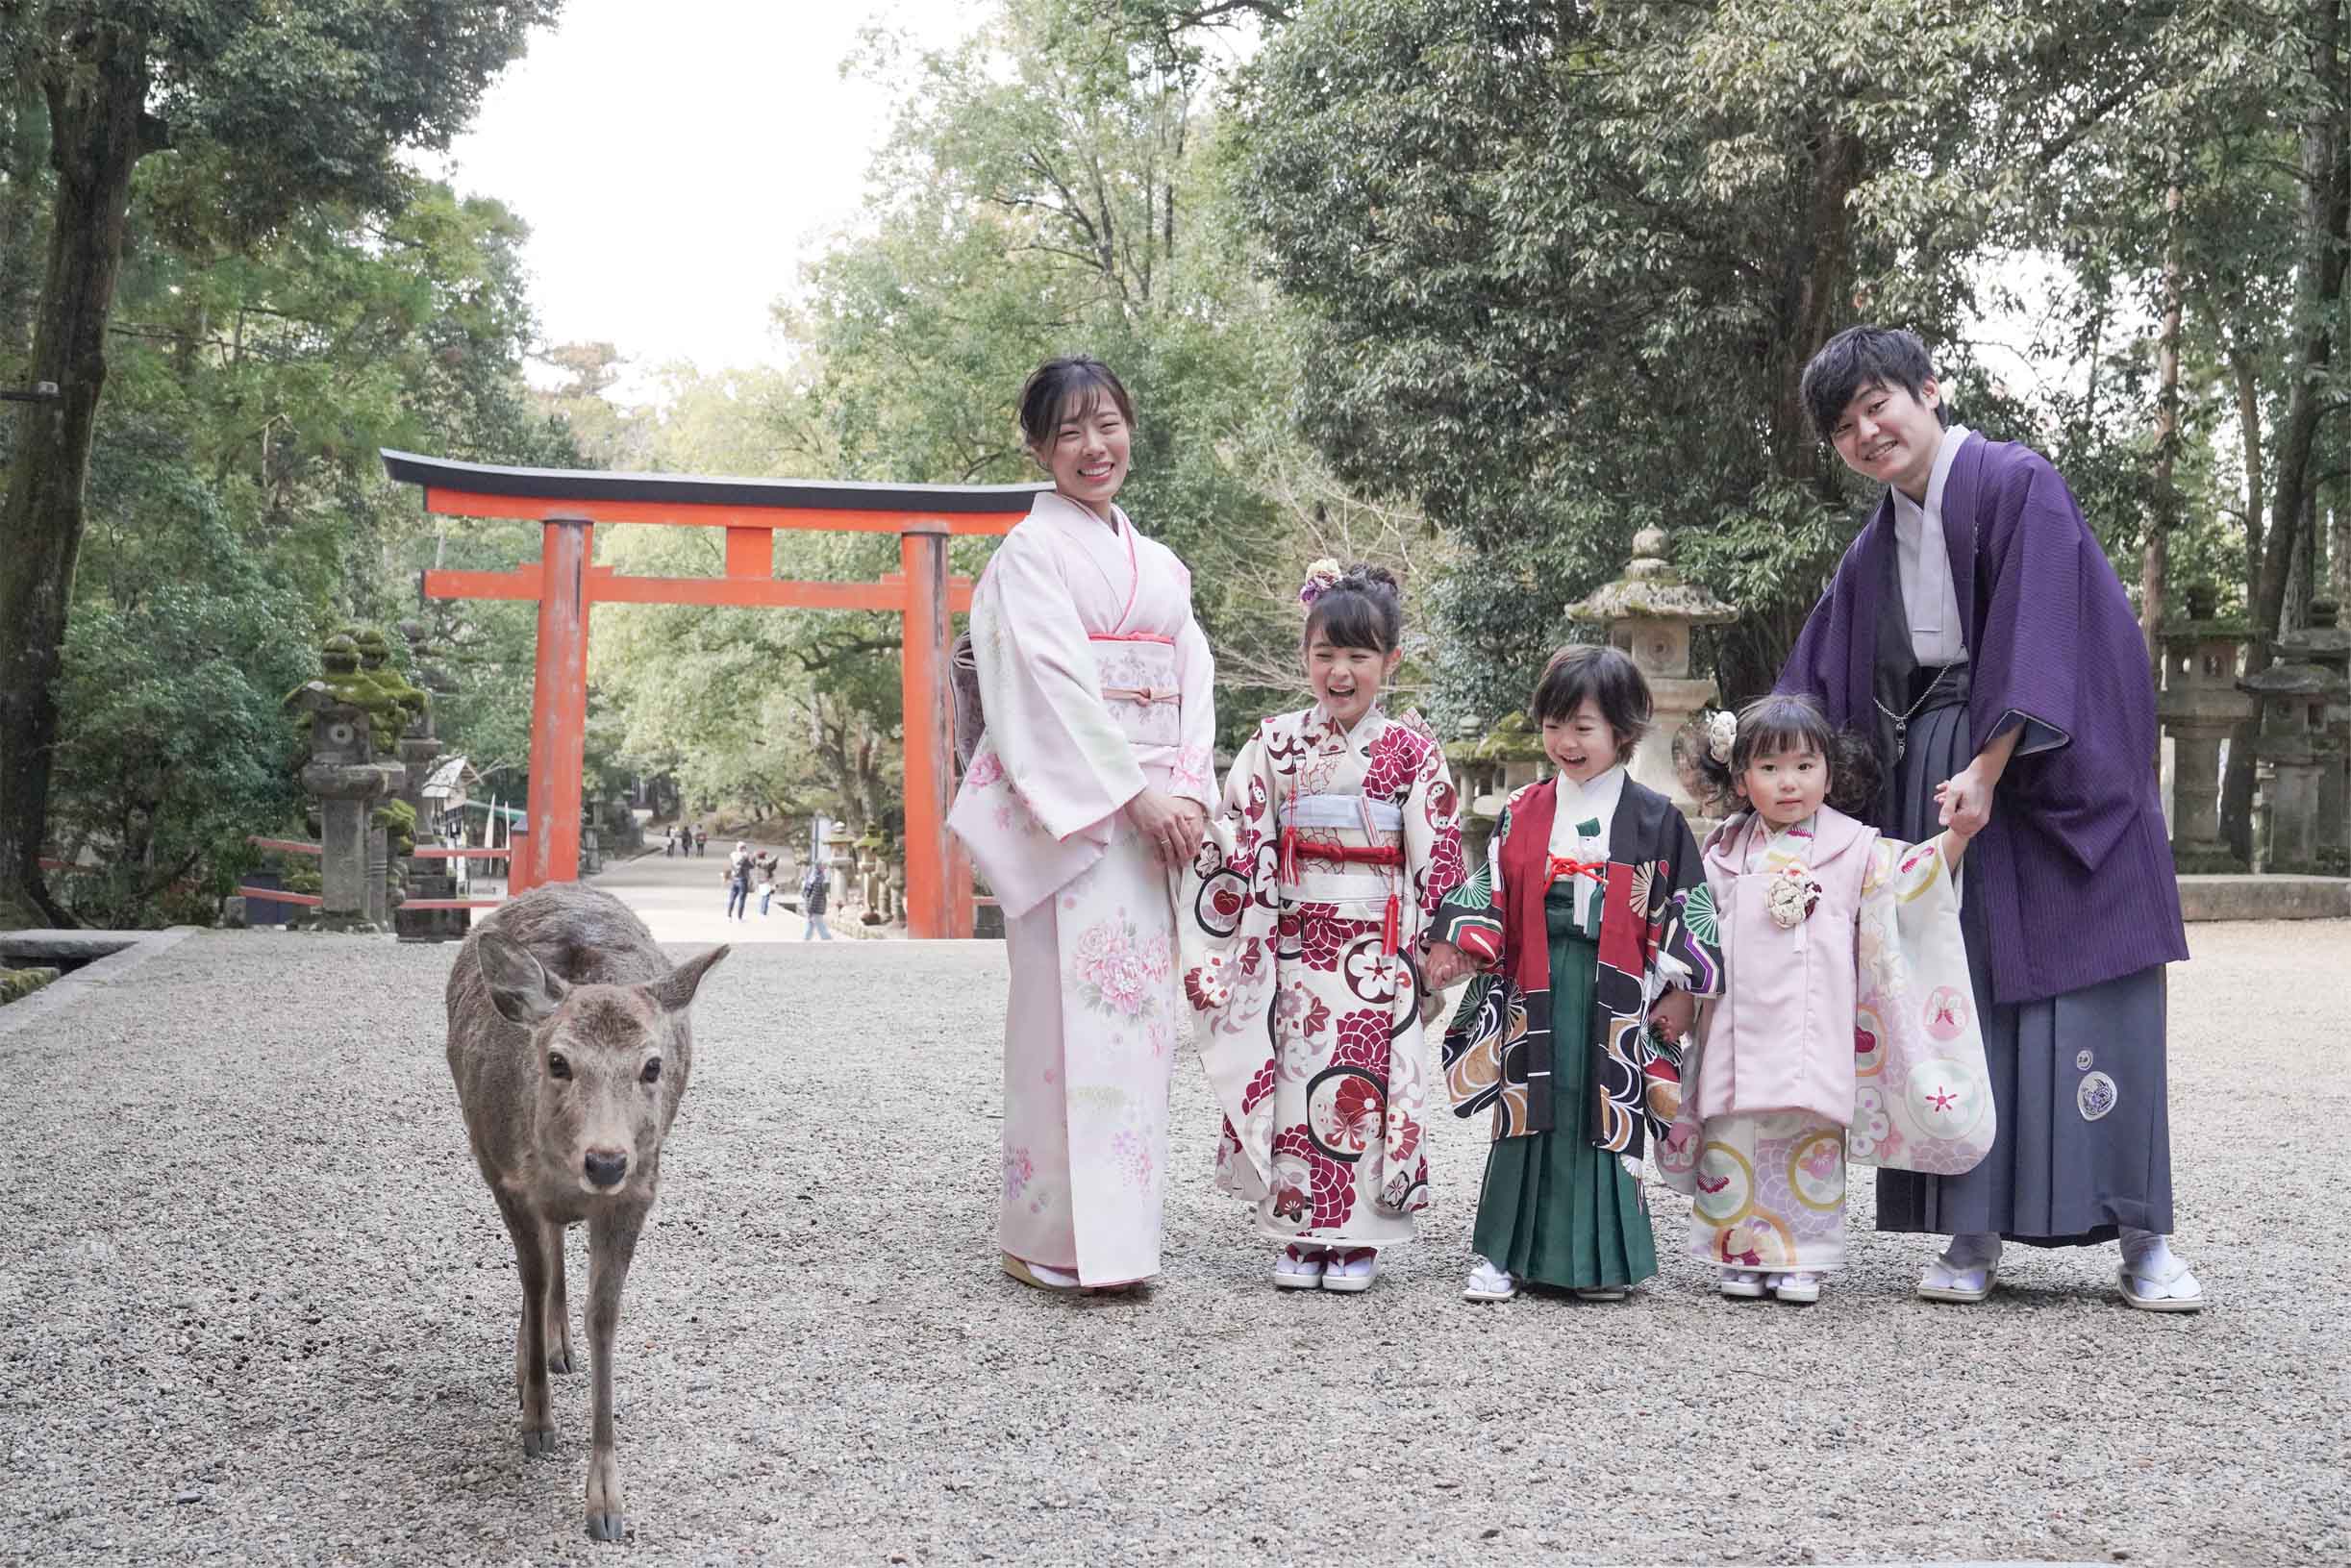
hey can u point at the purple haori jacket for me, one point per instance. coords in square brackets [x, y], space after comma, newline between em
[2074, 869]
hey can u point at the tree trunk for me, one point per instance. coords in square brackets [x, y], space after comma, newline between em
[20, 204]
[2156, 558]
[98, 133]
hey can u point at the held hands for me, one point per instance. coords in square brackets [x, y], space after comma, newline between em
[1171, 826]
[1444, 964]
[1965, 800]
[1675, 1011]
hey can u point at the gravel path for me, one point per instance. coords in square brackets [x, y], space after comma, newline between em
[256, 1307]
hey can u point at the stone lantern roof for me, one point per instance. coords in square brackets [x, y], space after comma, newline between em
[1652, 589]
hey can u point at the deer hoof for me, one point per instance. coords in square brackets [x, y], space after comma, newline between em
[539, 1444]
[559, 1360]
[608, 1527]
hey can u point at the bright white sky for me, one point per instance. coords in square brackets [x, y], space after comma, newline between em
[678, 163]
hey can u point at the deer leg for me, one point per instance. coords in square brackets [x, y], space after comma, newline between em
[611, 1243]
[557, 1310]
[530, 1336]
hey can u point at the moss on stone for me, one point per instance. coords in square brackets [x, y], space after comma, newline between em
[18, 983]
[399, 817]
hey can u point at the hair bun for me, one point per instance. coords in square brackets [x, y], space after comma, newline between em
[1365, 578]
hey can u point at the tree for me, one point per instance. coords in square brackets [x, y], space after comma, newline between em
[282, 105]
[1564, 266]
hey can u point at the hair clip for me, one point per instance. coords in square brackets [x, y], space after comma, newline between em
[1320, 577]
[1721, 735]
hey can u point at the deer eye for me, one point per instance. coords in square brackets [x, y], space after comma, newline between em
[653, 1071]
[557, 1067]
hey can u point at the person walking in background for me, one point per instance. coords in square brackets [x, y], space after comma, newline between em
[1977, 632]
[702, 839]
[763, 868]
[738, 878]
[813, 892]
[669, 841]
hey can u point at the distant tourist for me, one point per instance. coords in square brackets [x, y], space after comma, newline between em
[738, 878]
[813, 891]
[1083, 804]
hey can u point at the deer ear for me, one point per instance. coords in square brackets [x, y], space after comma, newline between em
[520, 988]
[675, 990]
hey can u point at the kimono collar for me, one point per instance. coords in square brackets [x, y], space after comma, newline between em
[1323, 730]
[1069, 513]
[1595, 800]
[1830, 832]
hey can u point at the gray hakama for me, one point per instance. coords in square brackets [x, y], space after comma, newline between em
[2085, 1139]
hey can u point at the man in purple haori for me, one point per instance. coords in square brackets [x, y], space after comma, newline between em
[1977, 631]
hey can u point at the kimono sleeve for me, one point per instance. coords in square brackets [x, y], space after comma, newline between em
[1065, 754]
[1689, 951]
[2028, 652]
[1923, 1097]
[1193, 775]
[1228, 942]
[1432, 835]
[1469, 915]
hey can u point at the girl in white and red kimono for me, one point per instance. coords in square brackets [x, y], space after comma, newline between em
[1338, 836]
[1081, 802]
[1845, 1018]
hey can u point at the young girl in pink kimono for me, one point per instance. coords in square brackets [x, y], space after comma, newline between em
[1338, 836]
[1831, 936]
[1081, 802]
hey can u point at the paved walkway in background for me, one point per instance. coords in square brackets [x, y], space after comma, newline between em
[256, 1305]
[684, 899]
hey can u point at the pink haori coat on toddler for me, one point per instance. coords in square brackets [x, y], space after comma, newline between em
[1846, 1027]
[1095, 681]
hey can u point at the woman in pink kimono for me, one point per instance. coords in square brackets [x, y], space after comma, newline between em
[1083, 800]
[1845, 1022]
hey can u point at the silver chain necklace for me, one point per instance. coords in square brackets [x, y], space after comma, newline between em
[1902, 721]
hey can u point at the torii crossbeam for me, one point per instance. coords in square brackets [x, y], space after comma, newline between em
[565, 582]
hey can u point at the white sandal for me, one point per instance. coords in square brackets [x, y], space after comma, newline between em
[1488, 1284]
[1298, 1269]
[1946, 1282]
[1801, 1287]
[1352, 1271]
[1039, 1274]
[2164, 1295]
[1743, 1284]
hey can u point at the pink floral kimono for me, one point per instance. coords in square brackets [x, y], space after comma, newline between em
[1318, 884]
[1095, 681]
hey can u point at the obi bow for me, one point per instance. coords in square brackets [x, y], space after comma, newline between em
[1145, 695]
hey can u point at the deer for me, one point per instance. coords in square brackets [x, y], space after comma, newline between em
[571, 1044]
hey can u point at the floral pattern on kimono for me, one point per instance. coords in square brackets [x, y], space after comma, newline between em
[1655, 930]
[1300, 968]
[1922, 1099]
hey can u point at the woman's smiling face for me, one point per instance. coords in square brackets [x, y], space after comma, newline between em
[1087, 452]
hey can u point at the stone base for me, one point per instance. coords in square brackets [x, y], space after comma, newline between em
[2206, 860]
[2264, 898]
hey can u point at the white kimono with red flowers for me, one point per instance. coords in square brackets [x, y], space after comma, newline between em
[1317, 884]
[1095, 681]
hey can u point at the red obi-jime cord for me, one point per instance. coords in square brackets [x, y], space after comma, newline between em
[1391, 928]
[1568, 867]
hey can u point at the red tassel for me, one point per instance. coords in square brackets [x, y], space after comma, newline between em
[1392, 930]
[1289, 872]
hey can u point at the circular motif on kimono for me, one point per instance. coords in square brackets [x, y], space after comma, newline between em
[1868, 1042]
[1945, 1099]
[1757, 1241]
[1346, 1109]
[1947, 1012]
[2095, 1096]
[1223, 896]
[2085, 1058]
[1725, 1184]
[1817, 1171]
[1372, 975]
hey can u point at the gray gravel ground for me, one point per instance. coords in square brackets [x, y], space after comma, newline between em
[256, 1307]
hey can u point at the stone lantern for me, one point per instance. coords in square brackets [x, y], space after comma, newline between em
[1650, 612]
[2200, 707]
[2295, 699]
[343, 772]
[2327, 645]
[839, 859]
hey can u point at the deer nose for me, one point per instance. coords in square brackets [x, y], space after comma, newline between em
[605, 1168]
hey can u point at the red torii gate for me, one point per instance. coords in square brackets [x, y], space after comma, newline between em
[565, 583]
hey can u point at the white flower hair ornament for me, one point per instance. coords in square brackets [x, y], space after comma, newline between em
[1320, 577]
[1721, 735]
